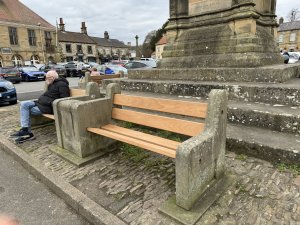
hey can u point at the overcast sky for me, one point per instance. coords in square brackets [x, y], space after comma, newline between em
[123, 19]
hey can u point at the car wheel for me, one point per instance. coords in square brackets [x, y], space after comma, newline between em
[13, 102]
[71, 74]
[27, 79]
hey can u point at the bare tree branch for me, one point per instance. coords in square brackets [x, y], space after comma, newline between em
[293, 15]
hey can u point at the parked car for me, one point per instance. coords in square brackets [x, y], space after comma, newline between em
[117, 68]
[60, 69]
[11, 74]
[31, 73]
[293, 58]
[8, 93]
[138, 65]
[71, 69]
[150, 61]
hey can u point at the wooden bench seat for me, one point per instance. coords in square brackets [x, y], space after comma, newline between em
[150, 142]
[99, 79]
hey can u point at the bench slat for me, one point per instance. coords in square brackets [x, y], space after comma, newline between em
[194, 109]
[142, 136]
[139, 143]
[179, 126]
[98, 79]
[50, 116]
[77, 92]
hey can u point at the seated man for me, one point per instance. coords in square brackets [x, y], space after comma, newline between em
[58, 87]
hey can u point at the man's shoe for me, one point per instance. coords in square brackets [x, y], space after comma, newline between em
[22, 139]
[21, 132]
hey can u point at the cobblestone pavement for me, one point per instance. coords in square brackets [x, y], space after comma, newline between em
[133, 188]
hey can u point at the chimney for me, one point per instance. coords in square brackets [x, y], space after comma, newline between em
[83, 28]
[106, 36]
[281, 20]
[61, 24]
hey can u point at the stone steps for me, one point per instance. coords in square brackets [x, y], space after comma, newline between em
[281, 118]
[272, 146]
[287, 93]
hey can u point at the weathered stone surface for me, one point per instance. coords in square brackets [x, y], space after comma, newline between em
[221, 34]
[274, 74]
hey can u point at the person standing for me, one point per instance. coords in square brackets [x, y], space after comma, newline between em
[58, 87]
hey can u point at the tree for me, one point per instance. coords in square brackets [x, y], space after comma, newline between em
[159, 33]
[293, 15]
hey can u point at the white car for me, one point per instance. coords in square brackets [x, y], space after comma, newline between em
[294, 57]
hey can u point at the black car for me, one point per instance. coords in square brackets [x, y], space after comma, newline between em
[8, 93]
[71, 69]
[11, 74]
[60, 69]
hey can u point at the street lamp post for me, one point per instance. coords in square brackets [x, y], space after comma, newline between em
[42, 45]
[137, 45]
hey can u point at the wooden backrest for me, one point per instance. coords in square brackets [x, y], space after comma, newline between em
[98, 79]
[186, 127]
[77, 92]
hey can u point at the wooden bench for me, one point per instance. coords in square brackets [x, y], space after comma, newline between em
[99, 79]
[199, 161]
[89, 129]
[74, 92]
[153, 143]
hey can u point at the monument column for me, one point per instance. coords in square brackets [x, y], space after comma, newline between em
[179, 8]
[183, 7]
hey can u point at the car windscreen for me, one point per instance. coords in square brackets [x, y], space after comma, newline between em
[30, 69]
[9, 70]
[58, 67]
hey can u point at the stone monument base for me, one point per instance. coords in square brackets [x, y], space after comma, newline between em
[271, 74]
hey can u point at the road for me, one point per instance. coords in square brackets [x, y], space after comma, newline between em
[32, 90]
[21, 194]
[30, 201]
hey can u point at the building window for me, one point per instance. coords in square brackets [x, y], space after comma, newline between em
[17, 60]
[281, 38]
[68, 48]
[48, 39]
[292, 37]
[79, 49]
[13, 36]
[31, 37]
[90, 50]
[34, 59]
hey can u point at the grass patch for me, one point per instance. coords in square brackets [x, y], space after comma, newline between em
[134, 153]
[241, 157]
[282, 167]
[240, 187]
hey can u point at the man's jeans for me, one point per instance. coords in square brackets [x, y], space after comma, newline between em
[27, 108]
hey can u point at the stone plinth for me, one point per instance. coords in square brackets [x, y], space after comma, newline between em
[270, 74]
[215, 33]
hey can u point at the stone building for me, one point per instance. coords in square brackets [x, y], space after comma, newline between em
[159, 47]
[25, 37]
[289, 35]
[76, 46]
[110, 48]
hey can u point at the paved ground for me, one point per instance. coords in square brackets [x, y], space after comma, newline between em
[132, 187]
[25, 198]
